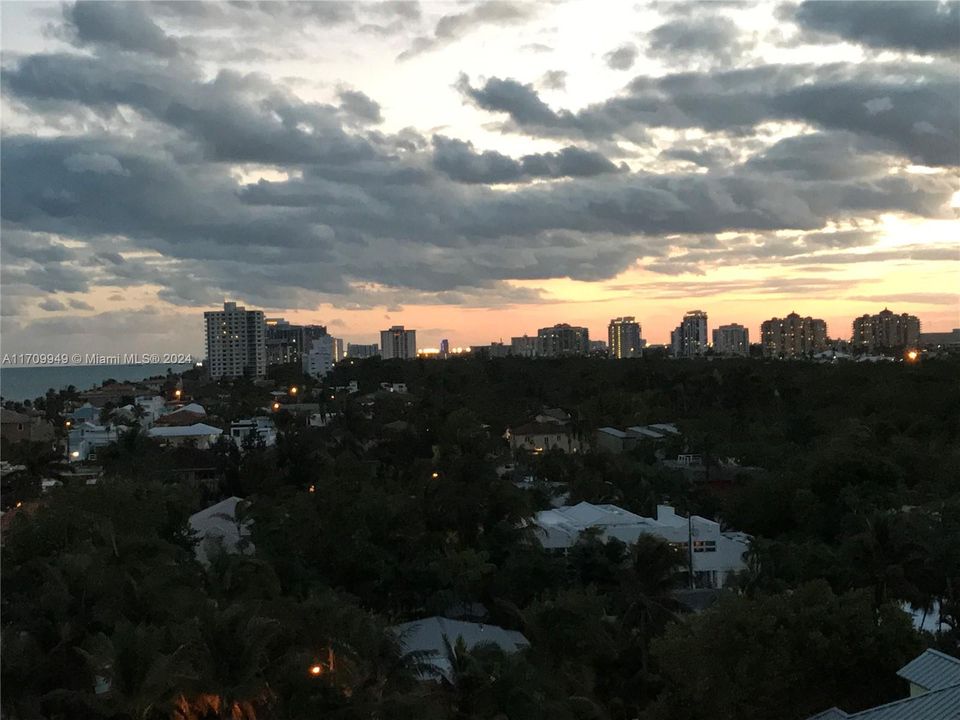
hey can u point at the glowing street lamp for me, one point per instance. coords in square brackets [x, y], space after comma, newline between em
[913, 355]
[316, 670]
[293, 391]
[435, 475]
[177, 393]
[276, 406]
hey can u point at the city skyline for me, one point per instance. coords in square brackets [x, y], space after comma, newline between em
[556, 166]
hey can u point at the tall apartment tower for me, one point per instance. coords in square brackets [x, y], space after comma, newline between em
[731, 339]
[690, 337]
[563, 339]
[623, 338]
[793, 336]
[236, 342]
[398, 343]
[323, 354]
[886, 331]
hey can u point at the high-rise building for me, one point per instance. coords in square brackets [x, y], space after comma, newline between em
[398, 343]
[444, 348]
[323, 354]
[563, 339]
[360, 351]
[731, 339]
[623, 338]
[690, 337]
[524, 346]
[793, 336]
[286, 343]
[235, 342]
[886, 331]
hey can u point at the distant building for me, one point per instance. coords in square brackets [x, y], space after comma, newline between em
[497, 350]
[235, 342]
[540, 437]
[934, 681]
[886, 331]
[361, 352]
[323, 354]
[624, 338]
[444, 348]
[84, 440]
[717, 555]
[259, 429]
[731, 340]
[525, 346]
[793, 336]
[563, 339]
[220, 529]
[432, 639]
[614, 440]
[398, 343]
[199, 435]
[17, 427]
[690, 337]
[286, 343]
[936, 340]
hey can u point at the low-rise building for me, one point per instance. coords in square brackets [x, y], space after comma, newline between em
[17, 427]
[540, 437]
[220, 528]
[614, 440]
[85, 439]
[361, 351]
[433, 640]
[717, 555]
[934, 680]
[258, 430]
[199, 435]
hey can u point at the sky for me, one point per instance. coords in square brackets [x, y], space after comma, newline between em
[473, 170]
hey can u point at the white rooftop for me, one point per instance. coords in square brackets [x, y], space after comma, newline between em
[195, 430]
[216, 526]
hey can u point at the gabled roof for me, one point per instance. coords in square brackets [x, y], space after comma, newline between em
[941, 704]
[535, 428]
[932, 670]
[430, 637]
[197, 430]
[10, 416]
[217, 525]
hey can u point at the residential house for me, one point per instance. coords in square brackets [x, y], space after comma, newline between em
[220, 528]
[85, 439]
[717, 555]
[434, 639]
[17, 427]
[934, 679]
[261, 429]
[539, 437]
[200, 435]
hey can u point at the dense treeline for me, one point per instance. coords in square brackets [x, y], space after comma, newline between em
[358, 526]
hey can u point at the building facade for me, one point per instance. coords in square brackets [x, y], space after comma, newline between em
[793, 336]
[235, 342]
[624, 338]
[286, 342]
[563, 339]
[524, 346]
[398, 343]
[731, 339]
[360, 351]
[323, 354]
[690, 337]
[886, 331]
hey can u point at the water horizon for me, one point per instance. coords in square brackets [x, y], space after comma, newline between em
[28, 382]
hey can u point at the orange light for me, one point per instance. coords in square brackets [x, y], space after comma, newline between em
[276, 406]
[312, 488]
[177, 393]
[19, 503]
[293, 391]
[912, 355]
[315, 670]
[435, 475]
[68, 423]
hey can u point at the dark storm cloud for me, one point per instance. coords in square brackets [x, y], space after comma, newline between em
[459, 161]
[706, 157]
[52, 305]
[709, 37]
[916, 25]
[360, 106]
[120, 25]
[827, 156]
[914, 109]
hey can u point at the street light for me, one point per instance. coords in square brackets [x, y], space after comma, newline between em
[293, 391]
[276, 406]
[177, 393]
[913, 355]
